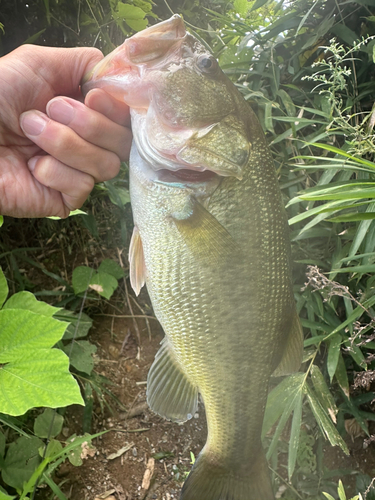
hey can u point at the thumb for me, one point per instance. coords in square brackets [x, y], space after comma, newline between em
[62, 69]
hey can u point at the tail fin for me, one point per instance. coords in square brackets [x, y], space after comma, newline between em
[207, 482]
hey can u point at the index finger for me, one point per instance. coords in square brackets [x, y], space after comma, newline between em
[117, 111]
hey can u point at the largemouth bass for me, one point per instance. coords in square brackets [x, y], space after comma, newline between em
[211, 243]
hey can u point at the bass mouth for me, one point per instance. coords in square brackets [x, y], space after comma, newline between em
[185, 175]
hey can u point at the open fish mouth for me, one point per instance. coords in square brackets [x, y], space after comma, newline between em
[186, 175]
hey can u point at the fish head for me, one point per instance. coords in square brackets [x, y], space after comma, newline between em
[186, 114]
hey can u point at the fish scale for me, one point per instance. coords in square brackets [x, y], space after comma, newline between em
[213, 250]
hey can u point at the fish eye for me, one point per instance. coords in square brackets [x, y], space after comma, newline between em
[207, 64]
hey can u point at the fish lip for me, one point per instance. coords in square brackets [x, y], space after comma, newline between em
[173, 28]
[132, 56]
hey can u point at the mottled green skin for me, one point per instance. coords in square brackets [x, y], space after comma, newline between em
[227, 321]
[227, 311]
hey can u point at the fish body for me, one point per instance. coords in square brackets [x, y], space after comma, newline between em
[211, 242]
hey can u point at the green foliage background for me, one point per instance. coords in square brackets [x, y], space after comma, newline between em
[307, 68]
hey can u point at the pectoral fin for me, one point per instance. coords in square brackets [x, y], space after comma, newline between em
[137, 262]
[204, 234]
[292, 356]
[169, 392]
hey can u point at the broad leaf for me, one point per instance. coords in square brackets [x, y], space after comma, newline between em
[79, 325]
[21, 461]
[28, 301]
[103, 283]
[22, 332]
[48, 424]
[111, 267]
[37, 378]
[80, 355]
[81, 278]
[54, 448]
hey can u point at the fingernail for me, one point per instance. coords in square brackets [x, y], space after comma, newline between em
[33, 123]
[61, 111]
[32, 162]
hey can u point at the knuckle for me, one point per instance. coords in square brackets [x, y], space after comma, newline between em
[110, 168]
[43, 171]
[87, 185]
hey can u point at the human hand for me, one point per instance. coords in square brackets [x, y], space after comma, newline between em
[53, 149]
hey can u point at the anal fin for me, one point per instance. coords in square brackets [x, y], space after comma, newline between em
[169, 392]
[137, 262]
[292, 356]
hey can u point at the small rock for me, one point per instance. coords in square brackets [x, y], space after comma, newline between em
[65, 431]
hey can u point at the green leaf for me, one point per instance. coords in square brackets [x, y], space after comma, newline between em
[341, 491]
[80, 355]
[13, 423]
[54, 448]
[28, 301]
[279, 398]
[356, 353]
[79, 325]
[324, 422]
[323, 392]
[268, 117]
[75, 448]
[81, 278]
[288, 103]
[295, 434]
[333, 354]
[342, 376]
[38, 378]
[362, 231]
[72, 213]
[4, 290]
[48, 424]
[122, 194]
[22, 332]
[358, 216]
[111, 267]
[133, 16]
[56, 490]
[103, 283]
[21, 461]
[4, 496]
[258, 4]
[1, 217]
[345, 33]
[341, 152]
[327, 495]
[34, 38]
[2, 444]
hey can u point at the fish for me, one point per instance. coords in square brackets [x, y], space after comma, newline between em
[211, 243]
